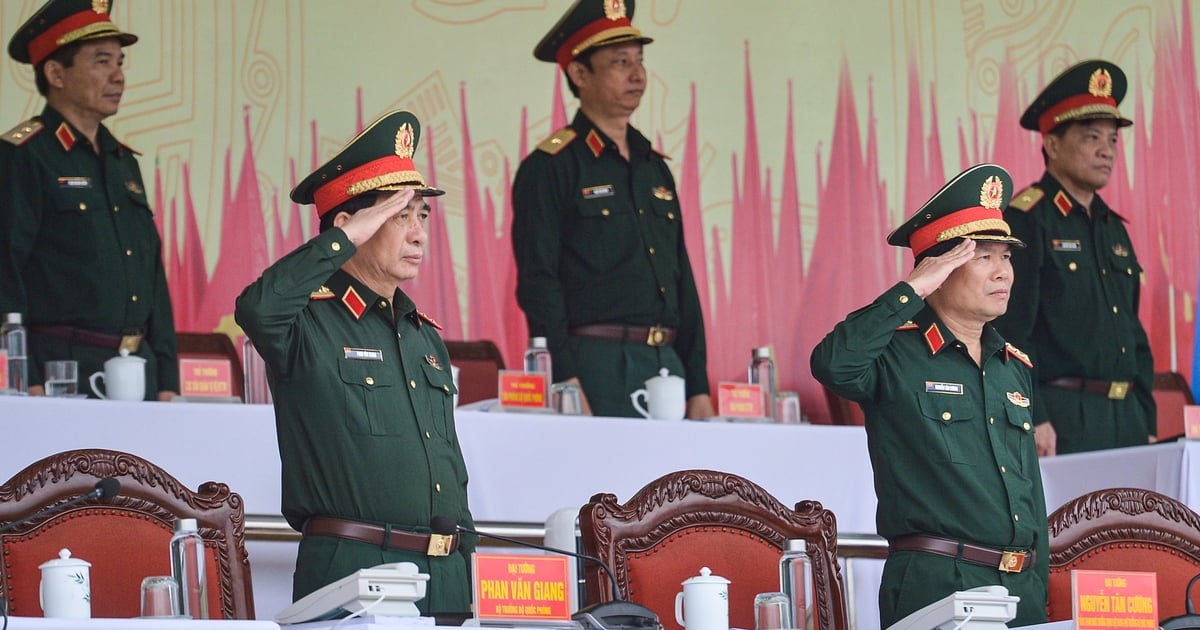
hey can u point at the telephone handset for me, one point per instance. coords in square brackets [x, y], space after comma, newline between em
[387, 589]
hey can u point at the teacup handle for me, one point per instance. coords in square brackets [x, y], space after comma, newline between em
[679, 609]
[92, 382]
[633, 398]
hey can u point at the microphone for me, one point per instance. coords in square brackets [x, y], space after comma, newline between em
[105, 489]
[619, 614]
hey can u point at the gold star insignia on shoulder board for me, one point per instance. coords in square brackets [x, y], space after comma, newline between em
[1026, 199]
[908, 325]
[23, 132]
[557, 142]
[432, 322]
[324, 293]
[1013, 352]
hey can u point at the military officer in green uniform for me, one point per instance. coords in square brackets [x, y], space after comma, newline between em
[361, 379]
[1077, 286]
[80, 256]
[948, 409]
[602, 268]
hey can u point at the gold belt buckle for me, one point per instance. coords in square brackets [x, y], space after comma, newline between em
[1117, 390]
[439, 544]
[130, 343]
[1012, 561]
[657, 336]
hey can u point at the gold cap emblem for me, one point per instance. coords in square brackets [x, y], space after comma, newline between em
[404, 141]
[992, 193]
[614, 9]
[100, 6]
[1100, 83]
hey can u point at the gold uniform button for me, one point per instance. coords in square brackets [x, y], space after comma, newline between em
[1114, 309]
[82, 206]
[426, 435]
[904, 299]
[382, 303]
[116, 208]
[1016, 517]
[1026, 426]
[991, 421]
[412, 384]
[641, 211]
[133, 299]
[1003, 469]
[651, 251]
[446, 388]
[670, 215]
[1104, 272]
[129, 252]
[335, 246]
[370, 380]
[437, 486]
[1129, 271]
[1072, 266]
[1122, 349]
[662, 290]
[605, 212]
[946, 415]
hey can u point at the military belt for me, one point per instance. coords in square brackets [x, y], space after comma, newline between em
[999, 559]
[1115, 390]
[649, 335]
[72, 334]
[381, 536]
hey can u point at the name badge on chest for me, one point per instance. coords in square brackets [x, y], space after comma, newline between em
[1061, 245]
[596, 192]
[935, 387]
[363, 354]
[74, 182]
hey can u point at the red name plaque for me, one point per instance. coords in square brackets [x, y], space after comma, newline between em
[1191, 422]
[521, 587]
[522, 390]
[205, 377]
[1111, 600]
[739, 400]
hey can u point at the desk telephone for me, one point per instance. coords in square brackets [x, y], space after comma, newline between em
[385, 590]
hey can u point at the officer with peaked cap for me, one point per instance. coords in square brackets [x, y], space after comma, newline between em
[947, 404]
[80, 255]
[602, 268]
[1077, 288]
[361, 379]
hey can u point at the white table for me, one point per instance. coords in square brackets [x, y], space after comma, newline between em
[38, 623]
[524, 467]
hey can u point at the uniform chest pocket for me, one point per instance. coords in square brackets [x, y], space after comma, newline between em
[1126, 273]
[956, 429]
[1018, 439]
[605, 232]
[370, 397]
[441, 399]
[77, 218]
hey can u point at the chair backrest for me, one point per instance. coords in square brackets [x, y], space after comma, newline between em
[842, 411]
[1172, 394]
[125, 538]
[686, 520]
[1124, 529]
[479, 364]
[192, 345]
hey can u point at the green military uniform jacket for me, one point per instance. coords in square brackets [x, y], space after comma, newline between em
[951, 446]
[1074, 306]
[79, 248]
[599, 240]
[364, 415]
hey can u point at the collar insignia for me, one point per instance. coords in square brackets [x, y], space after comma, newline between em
[1017, 399]
[432, 322]
[1062, 203]
[65, 136]
[324, 293]
[594, 143]
[354, 302]
[433, 361]
[1012, 351]
[933, 337]
[662, 193]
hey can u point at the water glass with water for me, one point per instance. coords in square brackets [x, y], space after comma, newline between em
[62, 378]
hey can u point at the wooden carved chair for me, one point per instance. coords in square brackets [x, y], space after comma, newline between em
[479, 363]
[125, 538]
[1124, 529]
[691, 519]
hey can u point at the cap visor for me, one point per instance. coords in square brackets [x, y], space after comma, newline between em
[997, 238]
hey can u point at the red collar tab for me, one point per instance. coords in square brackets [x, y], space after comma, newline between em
[65, 136]
[934, 338]
[354, 302]
[1063, 203]
[594, 143]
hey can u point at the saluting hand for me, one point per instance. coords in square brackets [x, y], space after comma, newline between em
[930, 273]
[362, 225]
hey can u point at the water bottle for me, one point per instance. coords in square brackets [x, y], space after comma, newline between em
[762, 372]
[14, 344]
[795, 579]
[537, 357]
[187, 567]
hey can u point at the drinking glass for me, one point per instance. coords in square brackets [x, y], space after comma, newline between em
[772, 611]
[62, 378]
[160, 596]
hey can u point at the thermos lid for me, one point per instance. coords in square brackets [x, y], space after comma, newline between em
[64, 559]
[186, 525]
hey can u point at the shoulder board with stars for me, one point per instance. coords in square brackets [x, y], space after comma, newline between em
[23, 132]
[1026, 199]
[908, 325]
[324, 293]
[430, 320]
[558, 141]
[1018, 355]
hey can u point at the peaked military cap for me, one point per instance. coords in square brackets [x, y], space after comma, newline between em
[62, 22]
[970, 206]
[379, 158]
[1087, 90]
[589, 24]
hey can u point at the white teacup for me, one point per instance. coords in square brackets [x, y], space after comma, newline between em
[704, 602]
[66, 588]
[124, 378]
[665, 396]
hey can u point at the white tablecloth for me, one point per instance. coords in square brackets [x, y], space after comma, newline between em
[38, 623]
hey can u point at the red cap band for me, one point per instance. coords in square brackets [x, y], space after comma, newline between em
[926, 236]
[43, 45]
[337, 191]
[1048, 120]
[564, 55]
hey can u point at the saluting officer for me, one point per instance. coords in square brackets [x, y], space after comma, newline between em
[80, 255]
[948, 409]
[361, 379]
[602, 269]
[1077, 286]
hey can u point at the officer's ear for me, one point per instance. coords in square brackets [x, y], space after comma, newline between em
[341, 218]
[578, 72]
[54, 72]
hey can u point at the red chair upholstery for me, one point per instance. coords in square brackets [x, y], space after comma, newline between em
[479, 364]
[691, 519]
[1172, 394]
[124, 538]
[190, 345]
[1124, 529]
